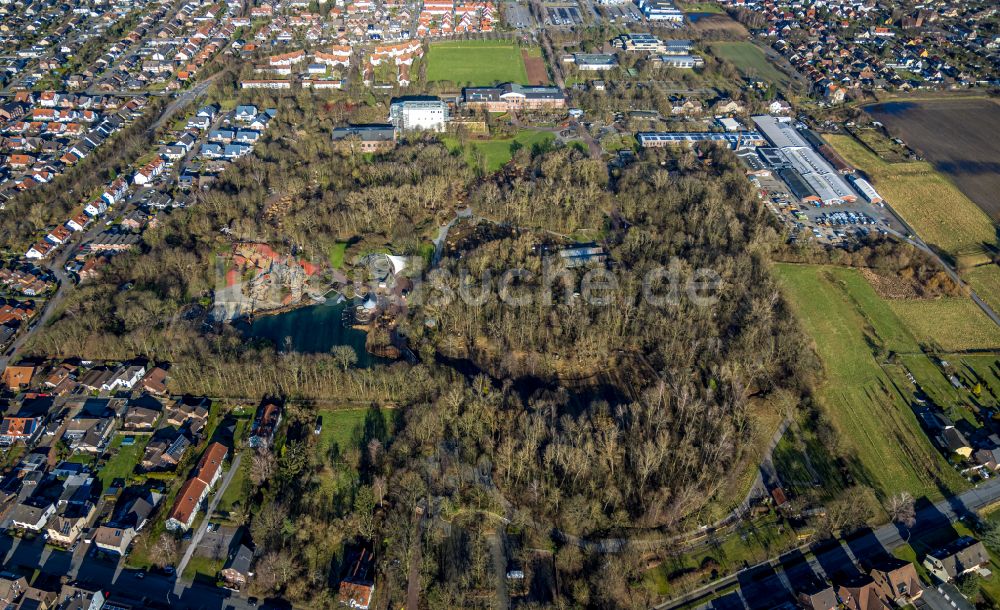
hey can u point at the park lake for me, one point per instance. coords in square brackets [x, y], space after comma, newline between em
[312, 329]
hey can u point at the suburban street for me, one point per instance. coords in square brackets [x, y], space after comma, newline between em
[766, 584]
[179, 585]
[155, 589]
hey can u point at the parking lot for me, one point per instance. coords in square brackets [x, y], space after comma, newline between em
[563, 15]
[622, 13]
[517, 15]
[834, 225]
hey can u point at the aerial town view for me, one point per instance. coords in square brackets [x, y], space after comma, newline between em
[499, 304]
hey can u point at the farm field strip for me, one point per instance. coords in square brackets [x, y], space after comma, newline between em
[958, 136]
[936, 209]
[838, 308]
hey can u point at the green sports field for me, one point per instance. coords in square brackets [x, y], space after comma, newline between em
[475, 62]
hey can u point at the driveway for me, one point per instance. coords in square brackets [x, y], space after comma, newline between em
[179, 585]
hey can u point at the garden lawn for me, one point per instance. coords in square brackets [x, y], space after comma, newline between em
[337, 254]
[494, 154]
[234, 493]
[475, 62]
[749, 60]
[345, 428]
[203, 568]
[940, 213]
[843, 315]
[955, 324]
[124, 459]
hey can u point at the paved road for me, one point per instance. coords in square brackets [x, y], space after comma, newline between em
[57, 265]
[765, 583]
[179, 585]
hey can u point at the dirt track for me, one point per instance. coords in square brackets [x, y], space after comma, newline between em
[535, 68]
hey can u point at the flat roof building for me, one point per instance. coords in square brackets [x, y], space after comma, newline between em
[419, 115]
[739, 140]
[826, 185]
[595, 61]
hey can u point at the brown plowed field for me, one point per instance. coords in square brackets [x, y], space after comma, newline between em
[960, 137]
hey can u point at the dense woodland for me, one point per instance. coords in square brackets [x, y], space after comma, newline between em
[572, 420]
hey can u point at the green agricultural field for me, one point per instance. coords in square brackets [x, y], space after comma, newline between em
[491, 155]
[845, 317]
[475, 62]
[940, 213]
[749, 60]
[985, 280]
[123, 460]
[955, 324]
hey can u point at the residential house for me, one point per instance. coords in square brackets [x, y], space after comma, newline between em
[956, 442]
[12, 587]
[116, 535]
[861, 593]
[125, 378]
[81, 596]
[265, 424]
[896, 580]
[357, 589]
[32, 514]
[140, 418]
[14, 429]
[165, 452]
[188, 411]
[960, 557]
[155, 381]
[96, 379]
[37, 598]
[16, 378]
[195, 489]
[65, 528]
[237, 572]
[88, 433]
[817, 595]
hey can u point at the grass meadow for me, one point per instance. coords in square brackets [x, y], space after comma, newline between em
[749, 60]
[844, 316]
[494, 154]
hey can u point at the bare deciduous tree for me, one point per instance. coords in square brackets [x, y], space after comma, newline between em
[262, 465]
[900, 509]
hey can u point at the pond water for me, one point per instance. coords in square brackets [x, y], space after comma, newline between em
[313, 329]
[890, 108]
[696, 17]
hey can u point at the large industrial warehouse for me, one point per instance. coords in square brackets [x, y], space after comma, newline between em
[808, 174]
